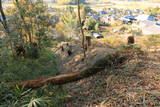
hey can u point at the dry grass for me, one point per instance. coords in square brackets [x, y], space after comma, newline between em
[149, 42]
[113, 41]
[135, 84]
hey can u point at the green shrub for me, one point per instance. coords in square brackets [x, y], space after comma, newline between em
[48, 96]
[16, 69]
[19, 69]
[91, 24]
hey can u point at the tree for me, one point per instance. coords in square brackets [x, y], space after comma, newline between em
[91, 24]
[31, 24]
[28, 27]
[154, 11]
[68, 24]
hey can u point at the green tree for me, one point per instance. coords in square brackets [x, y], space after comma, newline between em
[91, 25]
[28, 28]
[69, 23]
[30, 25]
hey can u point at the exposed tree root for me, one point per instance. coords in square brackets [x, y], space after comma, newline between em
[111, 60]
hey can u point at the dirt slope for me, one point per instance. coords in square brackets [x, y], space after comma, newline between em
[135, 84]
[75, 61]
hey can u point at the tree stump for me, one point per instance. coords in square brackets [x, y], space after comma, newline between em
[88, 40]
[130, 40]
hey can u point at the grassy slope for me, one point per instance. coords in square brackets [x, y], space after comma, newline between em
[18, 69]
[23, 69]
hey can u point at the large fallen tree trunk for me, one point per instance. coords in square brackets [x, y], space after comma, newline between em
[111, 60]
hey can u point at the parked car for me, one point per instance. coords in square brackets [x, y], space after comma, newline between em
[98, 36]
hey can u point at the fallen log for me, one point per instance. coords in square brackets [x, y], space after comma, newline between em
[110, 60]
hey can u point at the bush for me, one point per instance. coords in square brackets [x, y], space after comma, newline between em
[91, 24]
[16, 69]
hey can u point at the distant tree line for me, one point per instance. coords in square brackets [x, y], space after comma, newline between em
[68, 1]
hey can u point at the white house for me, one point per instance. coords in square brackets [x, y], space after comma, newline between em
[142, 17]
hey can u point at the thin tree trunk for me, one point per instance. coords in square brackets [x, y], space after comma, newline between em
[80, 22]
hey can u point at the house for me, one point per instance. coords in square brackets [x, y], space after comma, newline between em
[96, 17]
[128, 19]
[142, 17]
[102, 12]
[128, 11]
[146, 17]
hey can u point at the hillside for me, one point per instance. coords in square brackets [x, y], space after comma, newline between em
[58, 54]
[135, 83]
